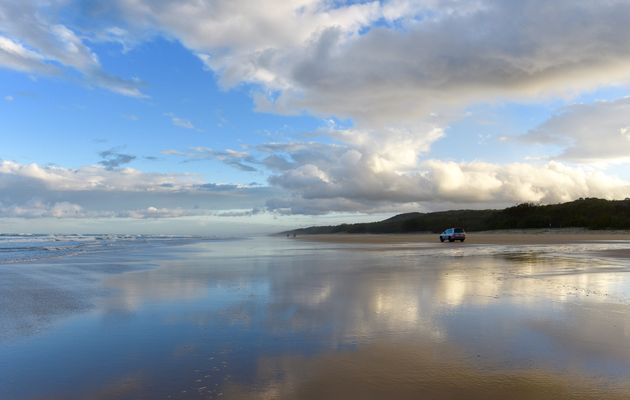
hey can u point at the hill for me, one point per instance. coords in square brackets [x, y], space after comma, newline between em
[589, 213]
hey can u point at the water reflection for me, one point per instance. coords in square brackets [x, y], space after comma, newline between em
[416, 370]
[297, 320]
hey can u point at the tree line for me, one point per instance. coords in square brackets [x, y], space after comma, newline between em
[588, 213]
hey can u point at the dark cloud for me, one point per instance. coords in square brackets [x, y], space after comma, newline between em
[215, 187]
[112, 159]
[243, 213]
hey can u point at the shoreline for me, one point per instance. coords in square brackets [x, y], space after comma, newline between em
[508, 237]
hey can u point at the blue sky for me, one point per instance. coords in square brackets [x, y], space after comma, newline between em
[203, 117]
[73, 122]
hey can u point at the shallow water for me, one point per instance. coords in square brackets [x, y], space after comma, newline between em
[279, 318]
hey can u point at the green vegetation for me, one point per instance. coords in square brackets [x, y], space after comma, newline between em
[590, 213]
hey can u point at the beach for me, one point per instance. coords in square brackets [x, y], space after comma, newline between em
[520, 316]
[510, 237]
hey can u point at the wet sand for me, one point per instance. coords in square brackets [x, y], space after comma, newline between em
[320, 317]
[490, 237]
[416, 371]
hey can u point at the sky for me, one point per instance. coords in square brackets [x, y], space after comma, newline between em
[226, 117]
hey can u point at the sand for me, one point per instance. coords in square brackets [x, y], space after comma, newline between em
[526, 238]
[490, 237]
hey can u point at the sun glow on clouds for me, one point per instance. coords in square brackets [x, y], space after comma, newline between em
[399, 71]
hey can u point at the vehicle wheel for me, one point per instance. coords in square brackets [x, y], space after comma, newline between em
[451, 240]
[441, 239]
[462, 240]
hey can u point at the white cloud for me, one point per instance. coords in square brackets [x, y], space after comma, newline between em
[31, 190]
[30, 42]
[155, 212]
[180, 122]
[551, 182]
[94, 178]
[39, 209]
[330, 59]
[400, 70]
[598, 132]
[345, 178]
[309, 183]
[362, 172]
[401, 82]
[15, 56]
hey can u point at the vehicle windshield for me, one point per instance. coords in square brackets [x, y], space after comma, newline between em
[459, 230]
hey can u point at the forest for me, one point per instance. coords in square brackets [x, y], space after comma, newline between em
[588, 213]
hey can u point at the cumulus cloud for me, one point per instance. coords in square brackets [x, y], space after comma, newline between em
[330, 58]
[362, 172]
[598, 132]
[30, 42]
[354, 182]
[551, 182]
[401, 71]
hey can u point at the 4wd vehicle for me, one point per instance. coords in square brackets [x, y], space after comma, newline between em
[453, 234]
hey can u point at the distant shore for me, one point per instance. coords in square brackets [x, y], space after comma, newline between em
[511, 237]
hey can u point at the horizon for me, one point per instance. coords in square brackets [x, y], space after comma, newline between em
[202, 117]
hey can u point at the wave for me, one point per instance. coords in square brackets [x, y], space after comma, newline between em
[23, 248]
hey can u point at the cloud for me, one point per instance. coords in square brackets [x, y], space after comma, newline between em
[39, 209]
[349, 178]
[504, 49]
[598, 132]
[155, 212]
[401, 72]
[31, 190]
[180, 122]
[236, 159]
[240, 213]
[366, 172]
[30, 42]
[95, 178]
[15, 56]
[239, 38]
[9, 98]
[551, 182]
[216, 187]
[380, 62]
[113, 159]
